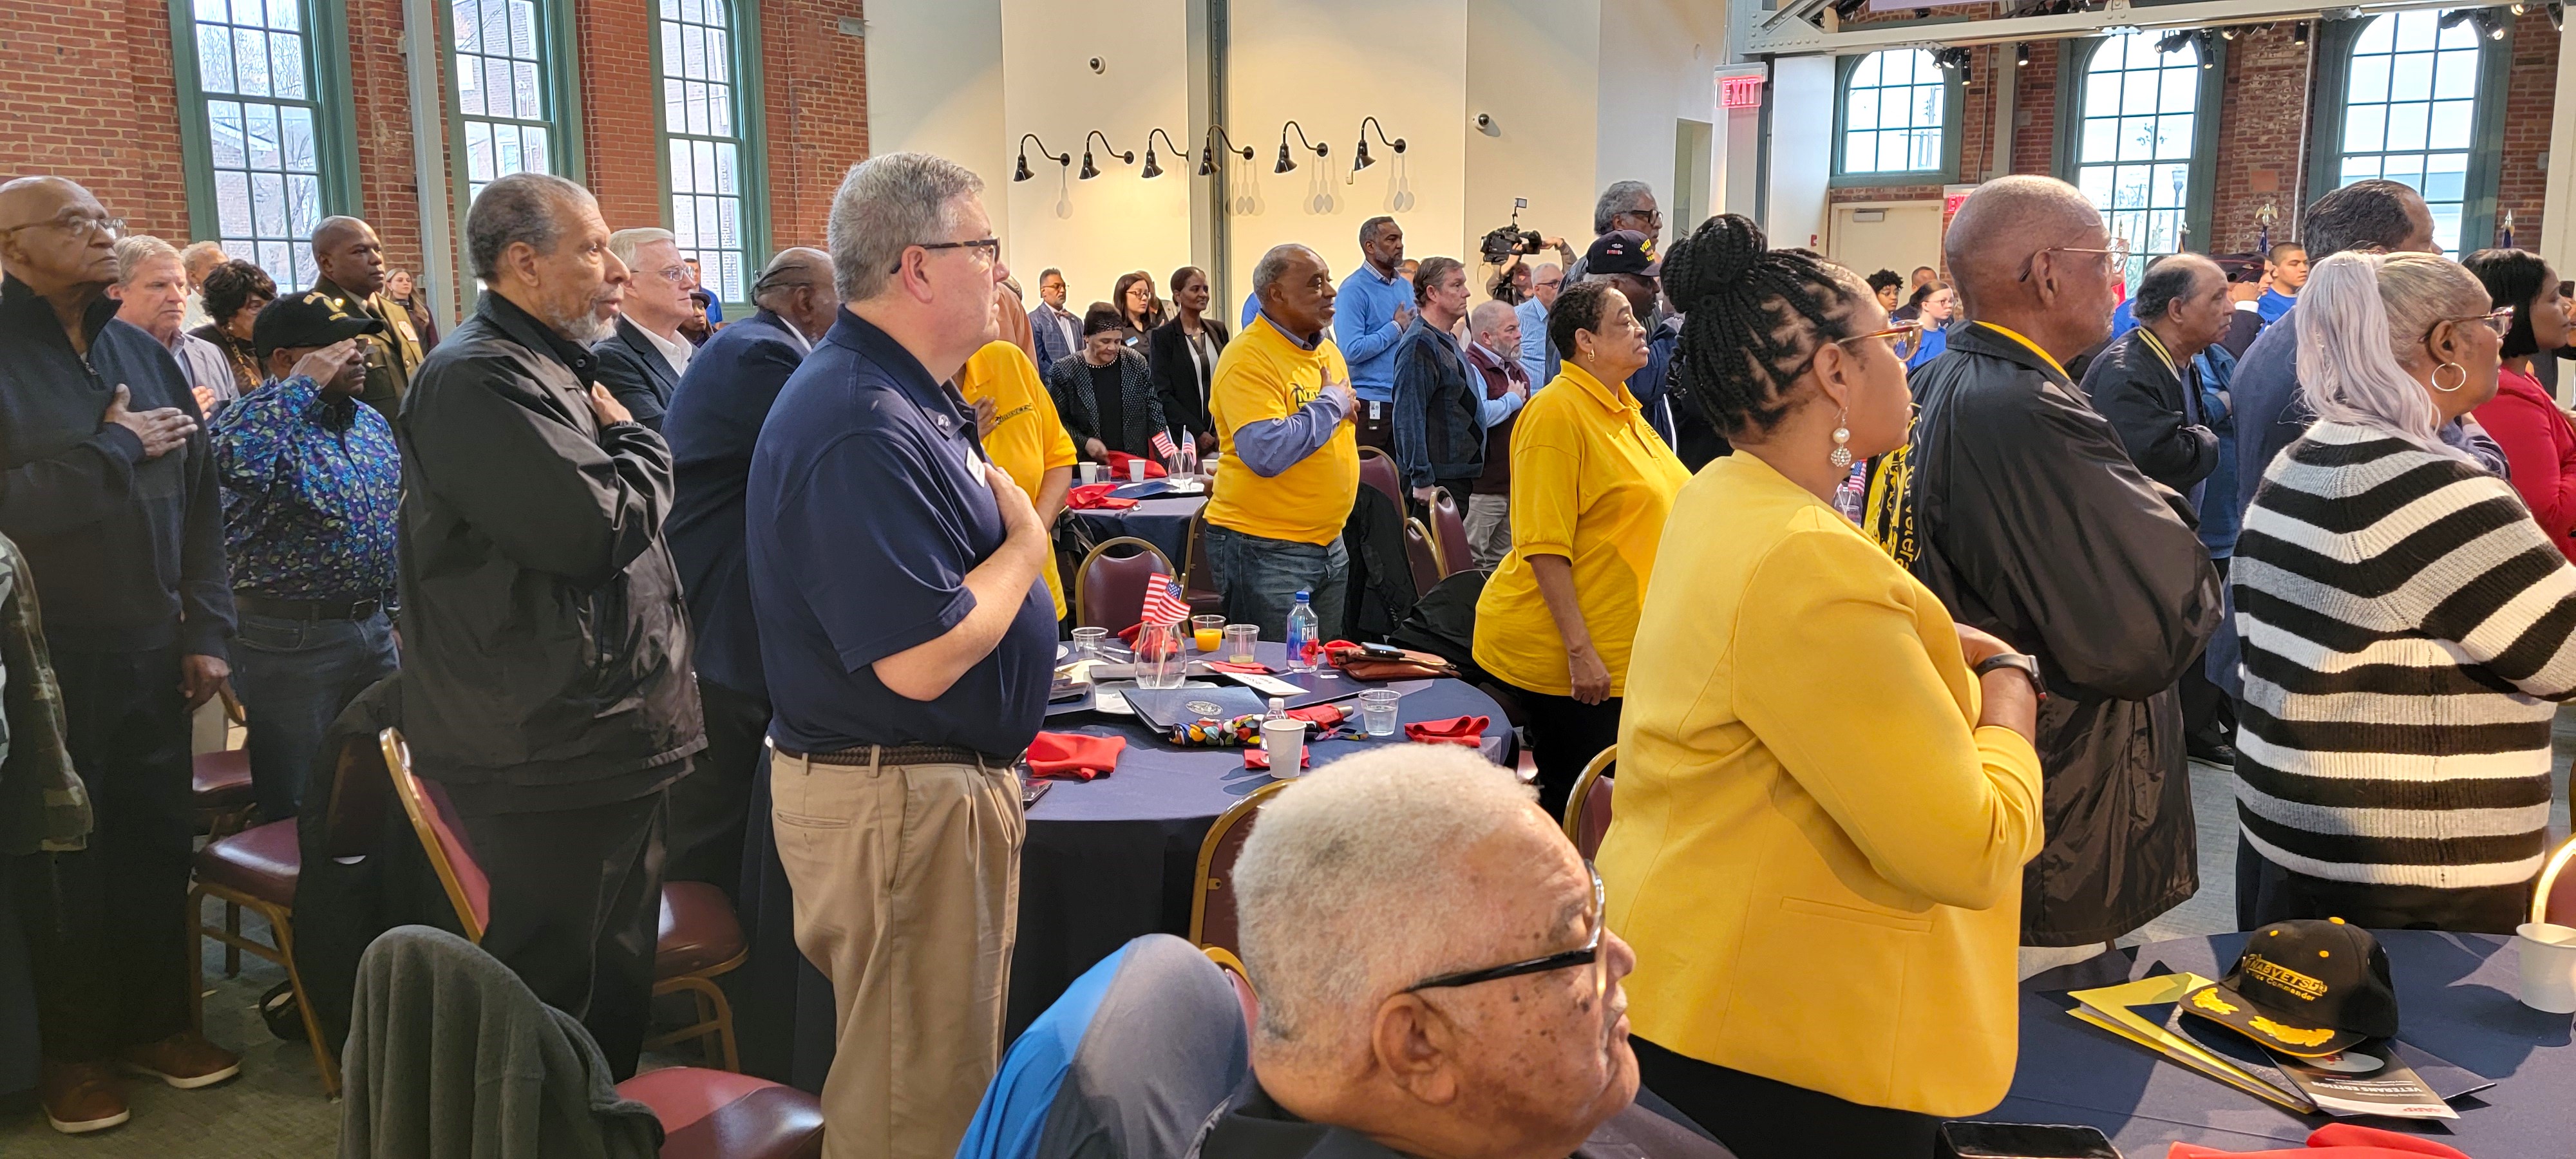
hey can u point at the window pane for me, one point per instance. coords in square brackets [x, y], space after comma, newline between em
[286, 65]
[2410, 77]
[699, 124]
[2407, 123]
[232, 202]
[2369, 79]
[2446, 177]
[215, 59]
[2416, 125]
[2140, 123]
[2455, 75]
[268, 204]
[2450, 129]
[2365, 128]
[295, 141]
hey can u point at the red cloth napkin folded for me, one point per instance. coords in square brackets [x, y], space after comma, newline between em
[1322, 716]
[1118, 461]
[1257, 757]
[1096, 497]
[1246, 669]
[1074, 756]
[1465, 730]
[2335, 1141]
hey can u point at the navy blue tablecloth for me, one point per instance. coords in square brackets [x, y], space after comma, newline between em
[2456, 997]
[1165, 523]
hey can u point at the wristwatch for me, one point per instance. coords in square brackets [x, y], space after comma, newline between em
[2022, 662]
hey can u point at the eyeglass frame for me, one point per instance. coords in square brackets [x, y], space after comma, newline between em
[676, 275]
[2499, 320]
[1913, 326]
[2118, 253]
[992, 247]
[1587, 954]
[69, 222]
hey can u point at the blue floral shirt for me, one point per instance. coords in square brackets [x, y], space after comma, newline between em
[312, 488]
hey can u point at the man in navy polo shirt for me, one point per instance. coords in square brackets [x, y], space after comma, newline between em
[908, 646]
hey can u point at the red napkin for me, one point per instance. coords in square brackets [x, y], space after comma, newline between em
[1096, 497]
[1257, 757]
[1118, 461]
[1465, 730]
[1322, 716]
[1246, 669]
[2336, 1141]
[1074, 756]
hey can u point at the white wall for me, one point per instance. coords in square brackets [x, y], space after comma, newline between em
[1802, 130]
[935, 85]
[1534, 67]
[1658, 65]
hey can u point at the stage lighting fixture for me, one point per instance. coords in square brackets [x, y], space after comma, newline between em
[2021, 56]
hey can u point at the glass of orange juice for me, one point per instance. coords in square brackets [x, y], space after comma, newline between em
[1208, 632]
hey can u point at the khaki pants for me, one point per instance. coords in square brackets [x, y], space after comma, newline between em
[1489, 529]
[907, 882]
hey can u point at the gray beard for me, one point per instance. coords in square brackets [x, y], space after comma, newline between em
[584, 327]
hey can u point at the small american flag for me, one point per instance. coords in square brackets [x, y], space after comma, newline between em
[1163, 603]
[1162, 445]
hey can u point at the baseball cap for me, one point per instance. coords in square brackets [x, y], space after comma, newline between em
[2304, 988]
[1622, 251]
[311, 318]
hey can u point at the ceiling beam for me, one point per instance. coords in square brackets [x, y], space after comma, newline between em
[1786, 32]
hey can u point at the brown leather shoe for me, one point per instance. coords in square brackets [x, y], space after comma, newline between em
[184, 1060]
[81, 1097]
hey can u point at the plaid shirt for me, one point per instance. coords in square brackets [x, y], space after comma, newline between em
[43, 805]
[312, 490]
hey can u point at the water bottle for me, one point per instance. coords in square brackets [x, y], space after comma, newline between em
[1278, 709]
[1305, 646]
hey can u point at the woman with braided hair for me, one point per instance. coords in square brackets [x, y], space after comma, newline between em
[1826, 788]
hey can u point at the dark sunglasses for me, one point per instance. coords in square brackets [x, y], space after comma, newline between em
[1587, 954]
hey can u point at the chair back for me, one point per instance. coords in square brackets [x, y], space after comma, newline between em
[1423, 556]
[1109, 587]
[359, 788]
[1241, 979]
[433, 820]
[2555, 900]
[1377, 470]
[1212, 900]
[1587, 808]
[1198, 579]
[1449, 534]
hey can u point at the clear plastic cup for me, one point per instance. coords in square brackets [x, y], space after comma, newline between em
[2548, 954]
[1090, 643]
[1239, 641]
[1135, 470]
[1377, 711]
[1208, 632]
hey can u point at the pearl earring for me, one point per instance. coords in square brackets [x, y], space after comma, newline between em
[1842, 456]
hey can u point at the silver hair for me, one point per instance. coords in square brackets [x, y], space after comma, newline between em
[1621, 197]
[623, 243]
[211, 252]
[2361, 318]
[886, 205]
[519, 207]
[1487, 318]
[1274, 265]
[134, 250]
[1348, 890]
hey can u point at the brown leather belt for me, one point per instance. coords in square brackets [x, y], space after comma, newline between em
[910, 754]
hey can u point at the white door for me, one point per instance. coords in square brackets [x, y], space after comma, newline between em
[1888, 236]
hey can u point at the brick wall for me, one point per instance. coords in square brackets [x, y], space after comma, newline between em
[818, 112]
[380, 115]
[2260, 120]
[88, 87]
[2034, 147]
[2531, 86]
[619, 95]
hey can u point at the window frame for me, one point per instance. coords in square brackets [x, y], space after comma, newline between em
[335, 141]
[751, 134]
[561, 63]
[2075, 62]
[1954, 105]
[2330, 95]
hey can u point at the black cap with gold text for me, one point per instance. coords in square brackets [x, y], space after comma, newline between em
[2305, 988]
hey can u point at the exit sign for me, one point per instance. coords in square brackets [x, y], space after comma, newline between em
[1740, 92]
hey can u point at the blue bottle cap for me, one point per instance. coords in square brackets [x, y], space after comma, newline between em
[1301, 597]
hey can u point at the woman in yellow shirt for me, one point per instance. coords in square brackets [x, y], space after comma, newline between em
[1021, 432]
[1826, 788]
[1591, 483]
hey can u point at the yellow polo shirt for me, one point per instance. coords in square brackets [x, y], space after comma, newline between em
[1028, 440]
[1590, 482]
[1261, 377]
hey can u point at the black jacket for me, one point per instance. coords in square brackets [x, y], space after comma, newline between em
[543, 639]
[2155, 412]
[129, 550]
[634, 371]
[1381, 575]
[1177, 377]
[713, 424]
[1439, 414]
[1069, 386]
[2018, 507]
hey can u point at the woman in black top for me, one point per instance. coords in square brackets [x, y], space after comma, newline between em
[1106, 392]
[1183, 355]
[236, 292]
[1139, 311]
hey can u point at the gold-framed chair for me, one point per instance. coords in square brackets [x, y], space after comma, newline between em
[219, 782]
[1212, 920]
[1109, 590]
[1587, 808]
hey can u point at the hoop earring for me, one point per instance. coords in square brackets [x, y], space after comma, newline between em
[1841, 457]
[2437, 377]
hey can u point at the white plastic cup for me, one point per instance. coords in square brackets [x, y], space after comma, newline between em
[1090, 473]
[1285, 741]
[1135, 470]
[2548, 966]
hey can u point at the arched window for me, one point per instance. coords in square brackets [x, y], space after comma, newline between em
[1893, 124]
[267, 155]
[2140, 146]
[2410, 113]
[511, 104]
[709, 91]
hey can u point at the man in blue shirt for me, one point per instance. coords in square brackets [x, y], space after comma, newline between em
[1373, 307]
[2289, 270]
[312, 494]
[1537, 358]
[908, 646]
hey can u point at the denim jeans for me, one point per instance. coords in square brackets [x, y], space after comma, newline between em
[294, 677]
[1260, 579]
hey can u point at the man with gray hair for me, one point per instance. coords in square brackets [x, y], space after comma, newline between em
[1495, 330]
[151, 293]
[1436, 974]
[2145, 381]
[908, 648]
[545, 666]
[199, 258]
[641, 363]
[1623, 205]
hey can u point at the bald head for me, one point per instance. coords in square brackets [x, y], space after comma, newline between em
[797, 285]
[56, 237]
[2017, 250]
[346, 251]
[1488, 317]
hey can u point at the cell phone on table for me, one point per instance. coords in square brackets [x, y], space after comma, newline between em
[2022, 1141]
[1383, 652]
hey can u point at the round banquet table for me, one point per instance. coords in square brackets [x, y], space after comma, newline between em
[2456, 997]
[1163, 522]
[1106, 861]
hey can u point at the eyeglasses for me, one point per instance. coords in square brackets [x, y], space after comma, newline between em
[2118, 254]
[73, 221]
[2499, 321]
[676, 275]
[991, 247]
[1588, 954]
[1903, 338]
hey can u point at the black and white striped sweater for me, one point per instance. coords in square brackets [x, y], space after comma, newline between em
[2406, 625]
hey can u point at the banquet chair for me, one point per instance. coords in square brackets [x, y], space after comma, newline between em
[1449, 530]
[717, 1114]
[1109, 590]
[2555, 900]
[1422, 554]
[1377, 470]
[219, 782]
[1587, 808]
[1212, 901]
[1198, 581]
[699, 939]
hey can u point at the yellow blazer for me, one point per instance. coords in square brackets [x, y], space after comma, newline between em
[1815, 854]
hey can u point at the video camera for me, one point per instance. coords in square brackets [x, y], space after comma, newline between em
[1510, 241]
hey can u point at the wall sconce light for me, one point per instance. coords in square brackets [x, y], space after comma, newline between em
[1362, 160]
[1285, 163]
[1153, 167]
[1022, 173]
[2299, 34]
[1090, 170]
[2021, 56]
[1207, 149]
